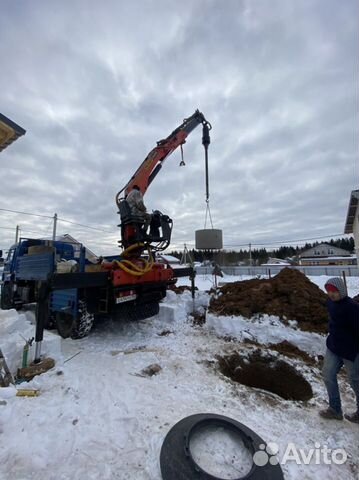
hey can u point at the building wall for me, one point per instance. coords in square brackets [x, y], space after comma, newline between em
[327, 261]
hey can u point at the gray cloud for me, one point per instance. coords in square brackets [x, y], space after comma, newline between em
[96, 87]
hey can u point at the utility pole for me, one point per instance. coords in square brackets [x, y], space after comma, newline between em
[17, 233]
[250, 254]
[186, 255]
[54, 228]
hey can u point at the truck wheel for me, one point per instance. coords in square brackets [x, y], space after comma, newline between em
[151, 309]
[84, 322]
[141, 312]
[6, 296]
[78, 327]
[64, 324]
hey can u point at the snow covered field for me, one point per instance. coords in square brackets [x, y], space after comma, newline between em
[96, 418]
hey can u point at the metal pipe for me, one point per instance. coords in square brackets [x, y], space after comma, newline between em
[37, 352]
[206, 140]
[41, 318]
[207, 176]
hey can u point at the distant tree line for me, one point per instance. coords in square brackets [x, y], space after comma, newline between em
[261, 255]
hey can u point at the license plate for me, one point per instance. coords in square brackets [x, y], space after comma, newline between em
[126, 297]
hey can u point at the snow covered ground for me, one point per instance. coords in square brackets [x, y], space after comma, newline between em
[97, 418]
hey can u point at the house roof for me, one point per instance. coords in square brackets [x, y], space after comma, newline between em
[336, 251]
[9, 132]
[169, 258]
[67, 238]
[352, 208]
[276, 261]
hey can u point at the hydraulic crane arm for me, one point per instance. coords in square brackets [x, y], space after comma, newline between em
[152, 164]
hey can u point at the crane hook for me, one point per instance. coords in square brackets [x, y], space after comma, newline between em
[182, 163]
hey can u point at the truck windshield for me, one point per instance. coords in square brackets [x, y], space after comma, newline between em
[10, 256]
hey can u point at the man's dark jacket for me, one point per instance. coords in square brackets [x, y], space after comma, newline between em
[343, 339]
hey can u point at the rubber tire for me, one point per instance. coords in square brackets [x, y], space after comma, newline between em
[5, 302]
[148, 310]
[78, 327]
[177, 463]
[64, 324]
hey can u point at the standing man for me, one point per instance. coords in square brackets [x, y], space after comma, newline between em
[342, 348]
[138, 209]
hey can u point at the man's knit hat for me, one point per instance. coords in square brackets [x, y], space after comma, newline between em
[338, 283]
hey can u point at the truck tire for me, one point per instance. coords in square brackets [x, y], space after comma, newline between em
[64, 324]
[151, 309]
[78, 327]
[139, 312]
[84, 322]
[6, 296]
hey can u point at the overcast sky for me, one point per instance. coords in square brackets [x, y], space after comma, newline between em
[96, 84]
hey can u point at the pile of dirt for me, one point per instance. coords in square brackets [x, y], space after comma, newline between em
[198, 318]
[285, 348]
[268, 373]
[292, 351]
[164, 333]
[290, 295]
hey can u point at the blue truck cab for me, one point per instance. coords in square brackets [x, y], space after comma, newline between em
[32, 261]
[19, 264]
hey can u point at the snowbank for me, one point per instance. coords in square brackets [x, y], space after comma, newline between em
[12, 326]
[265, 329]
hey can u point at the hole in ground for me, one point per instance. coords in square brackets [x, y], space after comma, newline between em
[268, 373]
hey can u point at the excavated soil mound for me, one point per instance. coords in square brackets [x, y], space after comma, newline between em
[286, 348]
[198, 318]
[292, 351]
[290, 295]
[267, 373]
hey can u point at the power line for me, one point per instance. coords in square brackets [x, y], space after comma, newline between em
[115, 231]
[25, 213]
[85, 226]
[274, 242]
[59, 219]
[7, 228]
[286, 241]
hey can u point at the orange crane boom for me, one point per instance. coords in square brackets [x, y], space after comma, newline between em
[152, 164]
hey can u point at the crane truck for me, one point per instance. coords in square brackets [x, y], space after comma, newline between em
[131, 286]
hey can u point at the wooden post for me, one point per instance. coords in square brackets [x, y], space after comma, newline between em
[54, 227]
[17, 233]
